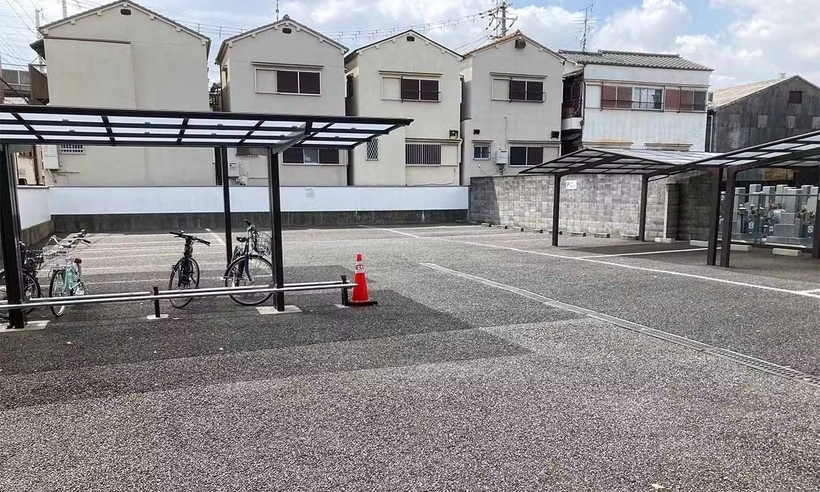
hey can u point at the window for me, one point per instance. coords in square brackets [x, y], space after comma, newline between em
[647, 98]
[419, 90]
[250, 152]
[795, 97]
[287, 81]
[616, 97]
[71, 149]
[422, 154]
[373, 150]
[526, 90]
[692, 101]
[762, 120]
[295, 155]
[481, 152]
[526, 156]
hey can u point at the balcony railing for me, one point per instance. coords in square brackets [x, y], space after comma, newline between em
[571, 109]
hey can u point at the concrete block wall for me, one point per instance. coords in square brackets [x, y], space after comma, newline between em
[599, 204]
[694, 205]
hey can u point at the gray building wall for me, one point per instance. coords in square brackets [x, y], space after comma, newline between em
[604, 204]
[737, 125]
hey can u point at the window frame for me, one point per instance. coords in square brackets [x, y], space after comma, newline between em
[694, 107]
[298, 73]
[407, 153]
[478, 145]
[288, 161]
[637, 103]
[542, 96]
[419, 90]
[527, 159]
[799, 95]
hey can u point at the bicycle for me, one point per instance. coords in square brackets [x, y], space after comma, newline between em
[66, 273]
[249, 267]
[186, 271]
[32, 260]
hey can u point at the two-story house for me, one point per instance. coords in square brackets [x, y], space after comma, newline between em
[620, 99]
[124, 56]
[751, 114]
[511, 111]
[407, 76]
[285, 68]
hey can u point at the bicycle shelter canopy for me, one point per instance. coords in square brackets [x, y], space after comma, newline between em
[55, 125]
[592, 160]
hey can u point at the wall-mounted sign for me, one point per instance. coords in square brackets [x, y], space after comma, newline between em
[308, 192]
[572, 184]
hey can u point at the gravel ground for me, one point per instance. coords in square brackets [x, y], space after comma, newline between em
[448, 384]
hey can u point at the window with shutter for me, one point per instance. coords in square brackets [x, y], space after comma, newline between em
[287, 81]
[609, 96]
[673, 100]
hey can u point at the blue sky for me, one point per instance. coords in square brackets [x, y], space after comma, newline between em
[743, 40]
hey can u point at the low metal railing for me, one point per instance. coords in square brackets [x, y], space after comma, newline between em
[157, 295]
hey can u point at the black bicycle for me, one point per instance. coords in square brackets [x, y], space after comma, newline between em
[249, 267]
[185, 274]
[32, 259]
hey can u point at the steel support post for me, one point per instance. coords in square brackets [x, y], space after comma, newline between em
[815, 251]
[714, 216]
[276, 227]
[728, 216]
[642, 218]
[556, 207]
[10, 237]
[222, 152]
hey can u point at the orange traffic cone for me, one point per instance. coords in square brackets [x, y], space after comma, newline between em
[360, 295]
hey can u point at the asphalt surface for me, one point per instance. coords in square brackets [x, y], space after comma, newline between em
[469, 375]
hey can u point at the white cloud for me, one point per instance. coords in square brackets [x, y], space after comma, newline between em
[651, 27]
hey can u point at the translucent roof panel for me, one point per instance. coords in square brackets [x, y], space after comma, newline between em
[143, 128]
[619, 161]
[798, 151]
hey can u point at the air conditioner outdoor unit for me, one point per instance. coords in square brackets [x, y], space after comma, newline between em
[502, 157]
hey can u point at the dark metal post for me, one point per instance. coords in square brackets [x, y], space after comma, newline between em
[642, 217]
[226, 201]
[10, 237]
[556, 207]
[728, 216]
[276, 227]
[345, 297]
[815, 251]
[157, 312]
[714, 216]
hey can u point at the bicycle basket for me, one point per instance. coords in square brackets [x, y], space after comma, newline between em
[57, 257]
[32, 258]
[263, 244]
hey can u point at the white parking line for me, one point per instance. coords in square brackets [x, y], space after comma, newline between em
[644, 253]
[392, 230]
[216, 237]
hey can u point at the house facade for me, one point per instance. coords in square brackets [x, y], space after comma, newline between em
[125, 56]
[629, 100]
[760, 112]
[511, 110]
[285, 68]
[407, 76]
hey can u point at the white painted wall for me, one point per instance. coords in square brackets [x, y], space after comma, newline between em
[34, 204]
[128, 62]
[432, 123]
[504, 123]
[272, 48]
[92, 201]
[641, 127]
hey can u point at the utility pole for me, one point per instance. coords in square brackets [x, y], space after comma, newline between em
[504, 18]
[587, 25]
[65, 8]
[502, 21]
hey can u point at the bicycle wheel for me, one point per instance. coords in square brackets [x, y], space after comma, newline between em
[184, 276]
[31, 291]
[257, 272]
[57, 288]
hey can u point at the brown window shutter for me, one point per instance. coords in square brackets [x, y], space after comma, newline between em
[608, 94]
[672, 100]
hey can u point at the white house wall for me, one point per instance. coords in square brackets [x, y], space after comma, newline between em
[128, 62]
[271, 49]
[641, 127]
[506, 123]
[432, 121]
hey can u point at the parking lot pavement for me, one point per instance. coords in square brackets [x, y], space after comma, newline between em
[492, 361]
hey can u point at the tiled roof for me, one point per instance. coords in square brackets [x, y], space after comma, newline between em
[508, 37]
[631, 59]
[728, 95]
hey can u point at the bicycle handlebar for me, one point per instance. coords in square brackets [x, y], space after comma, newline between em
[188, 236]
[248, 222]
